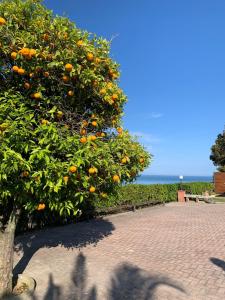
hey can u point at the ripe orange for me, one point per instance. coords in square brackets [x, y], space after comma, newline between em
[21, 71]
[27, 85]
[25, 52]
[32, 52]
[37, 95]
[84, 123]
[97, 60]
[13, 55]
[83, 140]
[119, 130]
[92, 189]
[79, 43]
[94, 123]
[15, 68]
[114, 97]
[103, 134]
[73, 169]
[124, 160]
[83, 131]
[46, 74]
[70, 93]
[92, 138]
[2, 21]
[90, 56]
[102, 91]
[65, 78]
[66, 179]
[141, 160]
[68, 67]
[116, 178]
[92, 171]
[41, 206]
[31, 75]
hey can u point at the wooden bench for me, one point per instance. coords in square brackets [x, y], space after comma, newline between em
[197, 198]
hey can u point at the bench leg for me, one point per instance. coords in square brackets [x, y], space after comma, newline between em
[197, 199]
[187, 199]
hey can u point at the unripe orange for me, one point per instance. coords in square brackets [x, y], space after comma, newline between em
[90, 56]
[102, 134]
[83, 140]
[92, 189]
[92, 171]
[59, 114]
[44, 122]
[73, 169]
[124, 160]
[2, 21]
[116, 178]
[97, 60]
[68, 67]
[85, 123]
[13, 55]
[92, 138]
[103, 195]
[25, 174]
[141, 160]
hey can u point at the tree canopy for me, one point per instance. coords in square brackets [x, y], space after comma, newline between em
[218, 152]
[61, 136]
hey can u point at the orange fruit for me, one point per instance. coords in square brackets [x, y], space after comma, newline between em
[83, 131]
[59, 114]
[97, 60]
[102, 134]
[46, 37]
[46, 74]
[84, 123]
[32, 52]
[103, 195]
[27, 85]
[31, 75]
[116, 178]
[25, 52]
[92, 171]
[13, 55]
[68, 67]
[90, 56]
[94, 123]
[44, 122]
[102, 91]
[92, 189]
[141, 160]
[124, 160]
[83, 140]
[21, 71]
[70, 93]
[73, 169]
[66, 179]
[109, 84]
[65, 78]
[119, 130]
[41, 206]
[37, 95]
[15, 68]
[2, 21]
[92, 138]
[114, 97]
[79, 43]
[25, 174]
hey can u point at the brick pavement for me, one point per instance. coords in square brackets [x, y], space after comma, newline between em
[162, 253]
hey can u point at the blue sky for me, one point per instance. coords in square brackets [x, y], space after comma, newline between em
[172, 56]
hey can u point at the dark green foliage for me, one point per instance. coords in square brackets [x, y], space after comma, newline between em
[218, 152]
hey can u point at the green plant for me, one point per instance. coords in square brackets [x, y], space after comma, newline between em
[55, 121]
[218, 152]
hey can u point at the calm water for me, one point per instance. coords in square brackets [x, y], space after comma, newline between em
[153, 179]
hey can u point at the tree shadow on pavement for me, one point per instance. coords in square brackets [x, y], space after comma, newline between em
[218, 262]
[127, 282]
[70, 236]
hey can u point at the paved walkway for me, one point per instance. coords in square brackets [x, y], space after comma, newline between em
[171, 252]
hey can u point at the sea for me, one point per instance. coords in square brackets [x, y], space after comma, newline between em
[163, 179]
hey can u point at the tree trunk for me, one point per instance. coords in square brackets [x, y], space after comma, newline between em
[6, 253]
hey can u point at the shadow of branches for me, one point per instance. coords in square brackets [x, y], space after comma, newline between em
[127, 282]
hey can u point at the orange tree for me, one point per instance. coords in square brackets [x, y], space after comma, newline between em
[61, 140]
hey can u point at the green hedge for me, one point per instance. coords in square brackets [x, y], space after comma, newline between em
[129, 197]
[138, 194]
